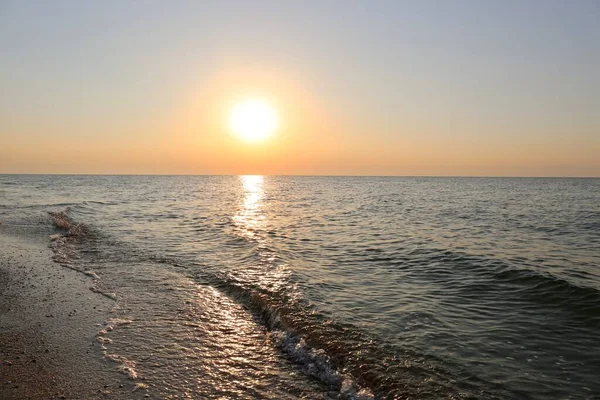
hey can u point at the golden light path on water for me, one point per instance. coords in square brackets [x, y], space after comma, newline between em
[249, 218]
[251, 223]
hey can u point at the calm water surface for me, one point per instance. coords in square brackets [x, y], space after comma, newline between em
[338, 287]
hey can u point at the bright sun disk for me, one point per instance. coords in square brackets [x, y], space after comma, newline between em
[253, 120]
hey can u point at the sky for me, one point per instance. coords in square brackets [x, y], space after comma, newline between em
[459, 88]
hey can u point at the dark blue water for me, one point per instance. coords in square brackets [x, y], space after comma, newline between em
[337, 287]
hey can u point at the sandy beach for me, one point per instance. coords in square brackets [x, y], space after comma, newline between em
[49, 321]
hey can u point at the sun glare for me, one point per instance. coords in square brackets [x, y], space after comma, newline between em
[253, 120]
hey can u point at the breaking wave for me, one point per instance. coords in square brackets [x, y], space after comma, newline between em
[358, 365]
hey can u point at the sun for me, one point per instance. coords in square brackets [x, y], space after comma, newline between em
[253, 120]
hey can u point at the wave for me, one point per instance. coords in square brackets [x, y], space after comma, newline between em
[44, 207]
[480, 278]
[341, 355]
[361, 366]
[551, 290]
[536, 285]
[356, 364]
[65, 253]
[588, 220]
[338, 353]
[64, 222]
[98, 202]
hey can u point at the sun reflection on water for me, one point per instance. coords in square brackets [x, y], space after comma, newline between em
[249, 218]
[265, 269]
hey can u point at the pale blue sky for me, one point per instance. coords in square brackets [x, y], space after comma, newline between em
[488, 73]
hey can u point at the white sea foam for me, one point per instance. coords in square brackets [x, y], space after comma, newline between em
[110, 324]
[126, 366]
[119, 321]
[91, 274]
[316, 363]
[94, 288]
[140, 385]
[104, 340]
[64, 253]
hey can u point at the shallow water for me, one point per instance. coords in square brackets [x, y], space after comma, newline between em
[327, 287]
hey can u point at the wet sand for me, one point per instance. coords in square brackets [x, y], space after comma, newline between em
[49, 320]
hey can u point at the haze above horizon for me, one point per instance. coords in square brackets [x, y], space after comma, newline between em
[460, 88]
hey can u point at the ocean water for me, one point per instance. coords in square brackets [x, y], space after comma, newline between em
[335, 287]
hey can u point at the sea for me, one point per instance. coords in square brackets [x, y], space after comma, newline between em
[281, 287]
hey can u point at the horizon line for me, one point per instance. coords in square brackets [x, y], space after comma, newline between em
[315, 175]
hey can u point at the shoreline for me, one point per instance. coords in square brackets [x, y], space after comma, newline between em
[49, 321]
